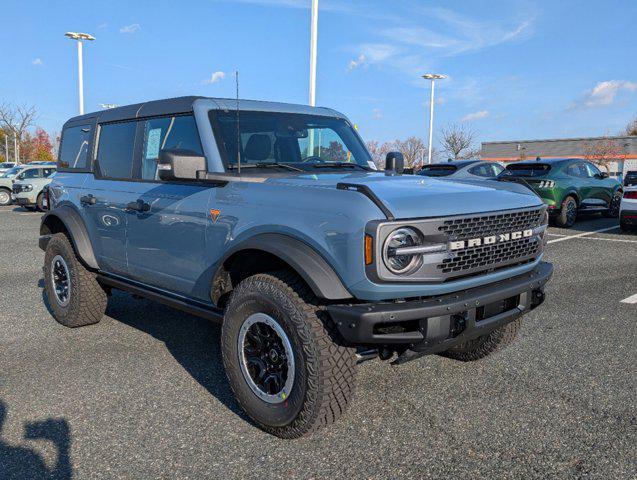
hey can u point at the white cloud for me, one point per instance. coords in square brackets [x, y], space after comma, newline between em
[471, 117]
[604, 93]
[37, 62]
[102, 25]
[357, 62]
[215, 77]
[377, 114]
[132, 28]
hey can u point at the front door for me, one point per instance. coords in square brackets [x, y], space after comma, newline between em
[166, 242]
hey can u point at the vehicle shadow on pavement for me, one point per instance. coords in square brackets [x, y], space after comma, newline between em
[193, 342]
[17, 462]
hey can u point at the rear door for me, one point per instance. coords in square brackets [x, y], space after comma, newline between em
[107, 192]
[167, 240]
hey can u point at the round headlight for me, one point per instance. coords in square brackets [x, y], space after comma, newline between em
[401, 264]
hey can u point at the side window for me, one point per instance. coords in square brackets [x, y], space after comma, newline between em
[74, 147]
[165, 133]
[328, 146]
[30, 173]
[497, 169]
[47, 172]
[482, 170]
[115, 150]
[574, 170]
[592, 170]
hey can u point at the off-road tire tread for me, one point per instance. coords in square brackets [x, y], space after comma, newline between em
[487, 344]
[88, 298]
[331, 364]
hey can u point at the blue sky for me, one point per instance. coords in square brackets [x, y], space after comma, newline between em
[518, 69]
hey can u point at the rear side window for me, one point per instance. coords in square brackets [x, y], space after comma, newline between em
[486, 170]
[115, 150]
[74, 147]
[30, 173]
[167, 133]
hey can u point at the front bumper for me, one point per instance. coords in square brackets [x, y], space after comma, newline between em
[23, 201]
[432, 325]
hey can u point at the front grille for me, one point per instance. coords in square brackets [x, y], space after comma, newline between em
[489, 256]
[471, 227]
[17, 188]
[475, 260]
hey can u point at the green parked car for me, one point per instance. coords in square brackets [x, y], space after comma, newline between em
[569, 186]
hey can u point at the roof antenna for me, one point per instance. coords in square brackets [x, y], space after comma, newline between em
[236, 74]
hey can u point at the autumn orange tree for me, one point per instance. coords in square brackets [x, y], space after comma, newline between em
[602, 152]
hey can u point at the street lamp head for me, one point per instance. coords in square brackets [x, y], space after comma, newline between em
[79, 36]
[433, 76]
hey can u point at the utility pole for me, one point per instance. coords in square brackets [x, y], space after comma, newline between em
[313, 51]
[433, 77]
[16, 154]
[80, 37]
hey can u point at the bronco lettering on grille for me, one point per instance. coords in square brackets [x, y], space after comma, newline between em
[490, 240]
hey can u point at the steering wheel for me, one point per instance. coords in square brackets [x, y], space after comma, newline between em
[313, 159]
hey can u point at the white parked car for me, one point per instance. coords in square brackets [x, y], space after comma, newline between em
[628, 209]
[4, 166]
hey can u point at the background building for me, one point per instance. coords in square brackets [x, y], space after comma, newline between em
[617, 154]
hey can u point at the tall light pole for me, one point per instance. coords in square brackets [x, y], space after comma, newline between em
[313, 49]
[80, 37]
[433, 77]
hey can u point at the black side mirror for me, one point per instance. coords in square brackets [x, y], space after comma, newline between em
[395, 163]
[180, 164]
[603, 175]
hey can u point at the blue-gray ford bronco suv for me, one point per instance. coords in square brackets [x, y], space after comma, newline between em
[272, 219]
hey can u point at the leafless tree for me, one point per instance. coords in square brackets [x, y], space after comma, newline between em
[458, 141]
[379, 151]
[631, 128]
[17, 119]
[413, 149]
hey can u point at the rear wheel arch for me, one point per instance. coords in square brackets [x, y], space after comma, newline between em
[268, 252]
[66, 220]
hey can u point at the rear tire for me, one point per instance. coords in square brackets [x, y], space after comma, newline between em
[568, 213]
[316, 387]
[485, 345]
[38, 202]
[75, 297]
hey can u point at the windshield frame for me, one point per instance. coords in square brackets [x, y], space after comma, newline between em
[231, 166]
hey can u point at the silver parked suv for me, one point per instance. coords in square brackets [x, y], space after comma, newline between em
[272, 219]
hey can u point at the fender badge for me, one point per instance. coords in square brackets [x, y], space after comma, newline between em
[214, 213]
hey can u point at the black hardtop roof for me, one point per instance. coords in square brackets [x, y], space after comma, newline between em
[185, 104]
[454, 163]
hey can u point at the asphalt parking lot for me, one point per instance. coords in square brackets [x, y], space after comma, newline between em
[143, 394]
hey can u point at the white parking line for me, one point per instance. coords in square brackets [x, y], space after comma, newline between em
[557, 235]
[611, 239]
[631, 299]
[585, 234]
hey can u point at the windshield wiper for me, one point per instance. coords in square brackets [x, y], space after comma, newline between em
[266, 165]
[340, 165]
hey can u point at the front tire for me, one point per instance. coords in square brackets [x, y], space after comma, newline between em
[5, 197]
[613, 206]
[75, 297]
[485, 345]
[38, 202]
[270, 318]
[568, 213]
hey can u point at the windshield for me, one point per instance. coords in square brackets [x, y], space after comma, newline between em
[528, 169]
[437, 170]
[302, 141]
[11, 172]
[6, 165]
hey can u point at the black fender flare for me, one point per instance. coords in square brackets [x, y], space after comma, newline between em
[305, 260]
[572, 193]
[76, 229]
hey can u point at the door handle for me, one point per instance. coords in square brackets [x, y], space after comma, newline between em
[88, 199]
[138, 206]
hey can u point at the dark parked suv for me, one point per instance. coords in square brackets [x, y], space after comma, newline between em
[273, 219]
